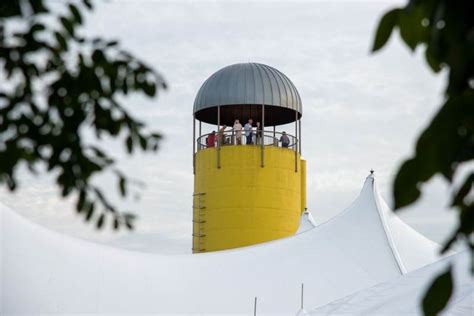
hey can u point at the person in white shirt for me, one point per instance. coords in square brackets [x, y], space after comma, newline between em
[238, 132]
[249, 132]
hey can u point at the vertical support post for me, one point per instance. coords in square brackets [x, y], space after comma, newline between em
[218, 137]
[255, 307]
[194, 143]
[262, 136]
[274, 136]
[302, 295]
[299, 133]
[296, 141]
[200, 129]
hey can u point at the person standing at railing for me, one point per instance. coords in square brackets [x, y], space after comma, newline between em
[238, 132]
[248, 129]
[285, 140]
[259, 134]
[211, 139]
[221, 138]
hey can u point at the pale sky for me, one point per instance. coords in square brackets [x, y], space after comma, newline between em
[360, 111]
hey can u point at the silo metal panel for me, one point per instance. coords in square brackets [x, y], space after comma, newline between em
[248, 85]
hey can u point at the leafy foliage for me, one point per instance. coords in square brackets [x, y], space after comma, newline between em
[438, 293]
[445, 30]
[56, 84]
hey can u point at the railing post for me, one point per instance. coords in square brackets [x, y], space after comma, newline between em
[194, 143]
[200, 129]
[262, 136]
[218, 137]
[299, 132]
[296, 141]
[274, 136]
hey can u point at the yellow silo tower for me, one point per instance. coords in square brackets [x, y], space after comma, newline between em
[249, 187]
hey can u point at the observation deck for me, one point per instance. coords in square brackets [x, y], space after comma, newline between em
[249, 178]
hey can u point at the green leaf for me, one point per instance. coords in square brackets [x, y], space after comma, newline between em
[149, 88]
[431, 60]
[438, 294]
[90, 211]
[67, 25]
[100, 221]
[61, 40]
[463, 191]
[81, 201]
[143, 142]
[10, 8]
[129, 143]
[442, 146]
[38, 6]
[405, 187]
[385, 28]
[88, 4]
[75, 13]
[411, 29]
[37, 27]
[98, 56]
[116, 223]
[122, 188]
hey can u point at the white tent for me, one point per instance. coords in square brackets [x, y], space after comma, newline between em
[306, 223]
[46, 272]
[402, 296]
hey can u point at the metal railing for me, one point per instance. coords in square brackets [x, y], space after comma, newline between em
[231, 138]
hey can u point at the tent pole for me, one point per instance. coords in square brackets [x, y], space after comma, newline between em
[302, 295]
[255, 307]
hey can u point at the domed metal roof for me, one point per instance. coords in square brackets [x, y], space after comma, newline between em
[241, 89]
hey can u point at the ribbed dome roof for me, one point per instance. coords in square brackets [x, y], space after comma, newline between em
[241, 89]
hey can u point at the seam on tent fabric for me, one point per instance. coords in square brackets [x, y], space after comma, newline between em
[388, 233]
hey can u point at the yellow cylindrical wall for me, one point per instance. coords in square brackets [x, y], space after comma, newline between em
[242, 203]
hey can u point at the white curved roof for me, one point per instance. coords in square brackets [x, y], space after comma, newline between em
[402, 296]
[306, 222]
[46, 272]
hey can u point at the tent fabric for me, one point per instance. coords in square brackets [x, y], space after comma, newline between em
[47, 272]
[402, 296]
[306, 223]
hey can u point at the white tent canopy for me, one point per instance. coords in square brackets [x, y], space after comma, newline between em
[306, 223]
[402, 296]
[46, 272]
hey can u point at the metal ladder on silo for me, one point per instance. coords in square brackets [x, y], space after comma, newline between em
[198, 222]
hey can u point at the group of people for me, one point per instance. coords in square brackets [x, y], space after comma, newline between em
[248, 131]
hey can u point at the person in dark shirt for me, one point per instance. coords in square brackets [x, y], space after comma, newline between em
[285, 140]
[249, 132]
[259, 133]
